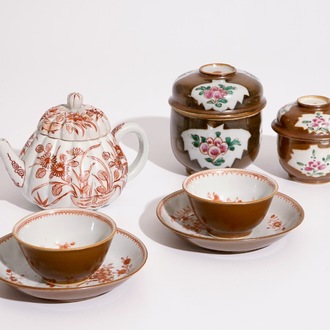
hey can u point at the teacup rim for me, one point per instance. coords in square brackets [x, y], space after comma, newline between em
[267, 178]
[107, 219]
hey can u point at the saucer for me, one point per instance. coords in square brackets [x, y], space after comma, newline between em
[175, 213]
[126, 256]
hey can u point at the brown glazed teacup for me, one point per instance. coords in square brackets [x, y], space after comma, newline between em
[65, 246]
[230, 202]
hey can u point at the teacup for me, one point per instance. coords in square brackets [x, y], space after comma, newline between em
[230, 202]
[65, 246]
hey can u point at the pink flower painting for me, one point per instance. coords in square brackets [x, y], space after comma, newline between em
[315, 167]
[214, 148]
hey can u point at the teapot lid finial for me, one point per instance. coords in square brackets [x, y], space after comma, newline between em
[74, 121]
[75, 101]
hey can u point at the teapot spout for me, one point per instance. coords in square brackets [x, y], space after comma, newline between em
[14, 165]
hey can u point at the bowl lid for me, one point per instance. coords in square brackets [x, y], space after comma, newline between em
[308, 118]
[217, 90]
[74, 121]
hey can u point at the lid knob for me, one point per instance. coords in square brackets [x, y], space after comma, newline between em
[313, 101]
[217, 69]
[75, 101]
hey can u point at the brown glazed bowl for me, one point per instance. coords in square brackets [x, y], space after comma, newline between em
[230, 202]
[65, 246]
[216, 118]
[303, 139]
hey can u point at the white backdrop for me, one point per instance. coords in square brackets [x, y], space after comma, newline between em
[124, 56]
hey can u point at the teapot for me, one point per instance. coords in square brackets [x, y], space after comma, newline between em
[73, 159]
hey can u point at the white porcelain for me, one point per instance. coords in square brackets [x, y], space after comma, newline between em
[74, 159]
[215, 147]
[64, 228]
[126, 256]
[313, 162]
[176, 214]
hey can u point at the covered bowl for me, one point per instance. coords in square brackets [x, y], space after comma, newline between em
[216, 117]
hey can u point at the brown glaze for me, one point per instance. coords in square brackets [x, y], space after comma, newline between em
[285, 147]
[125, 258]
[180, 123]
[175, 213]
[297, 136]
[65, 263]
[230, 215]
[285, 123]
[181, 93]
[187, 113]
[230, 220]
[65, 266]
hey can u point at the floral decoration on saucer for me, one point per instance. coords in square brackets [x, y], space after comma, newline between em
[284, 214]
[126, 256]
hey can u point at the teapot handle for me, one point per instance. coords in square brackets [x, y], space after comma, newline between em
[142, 155]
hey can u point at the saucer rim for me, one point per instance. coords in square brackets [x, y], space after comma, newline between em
[278, 194]
[69, 287]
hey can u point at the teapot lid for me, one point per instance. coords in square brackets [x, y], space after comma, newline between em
[218, 91]
[308, 118]
[74, 121]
